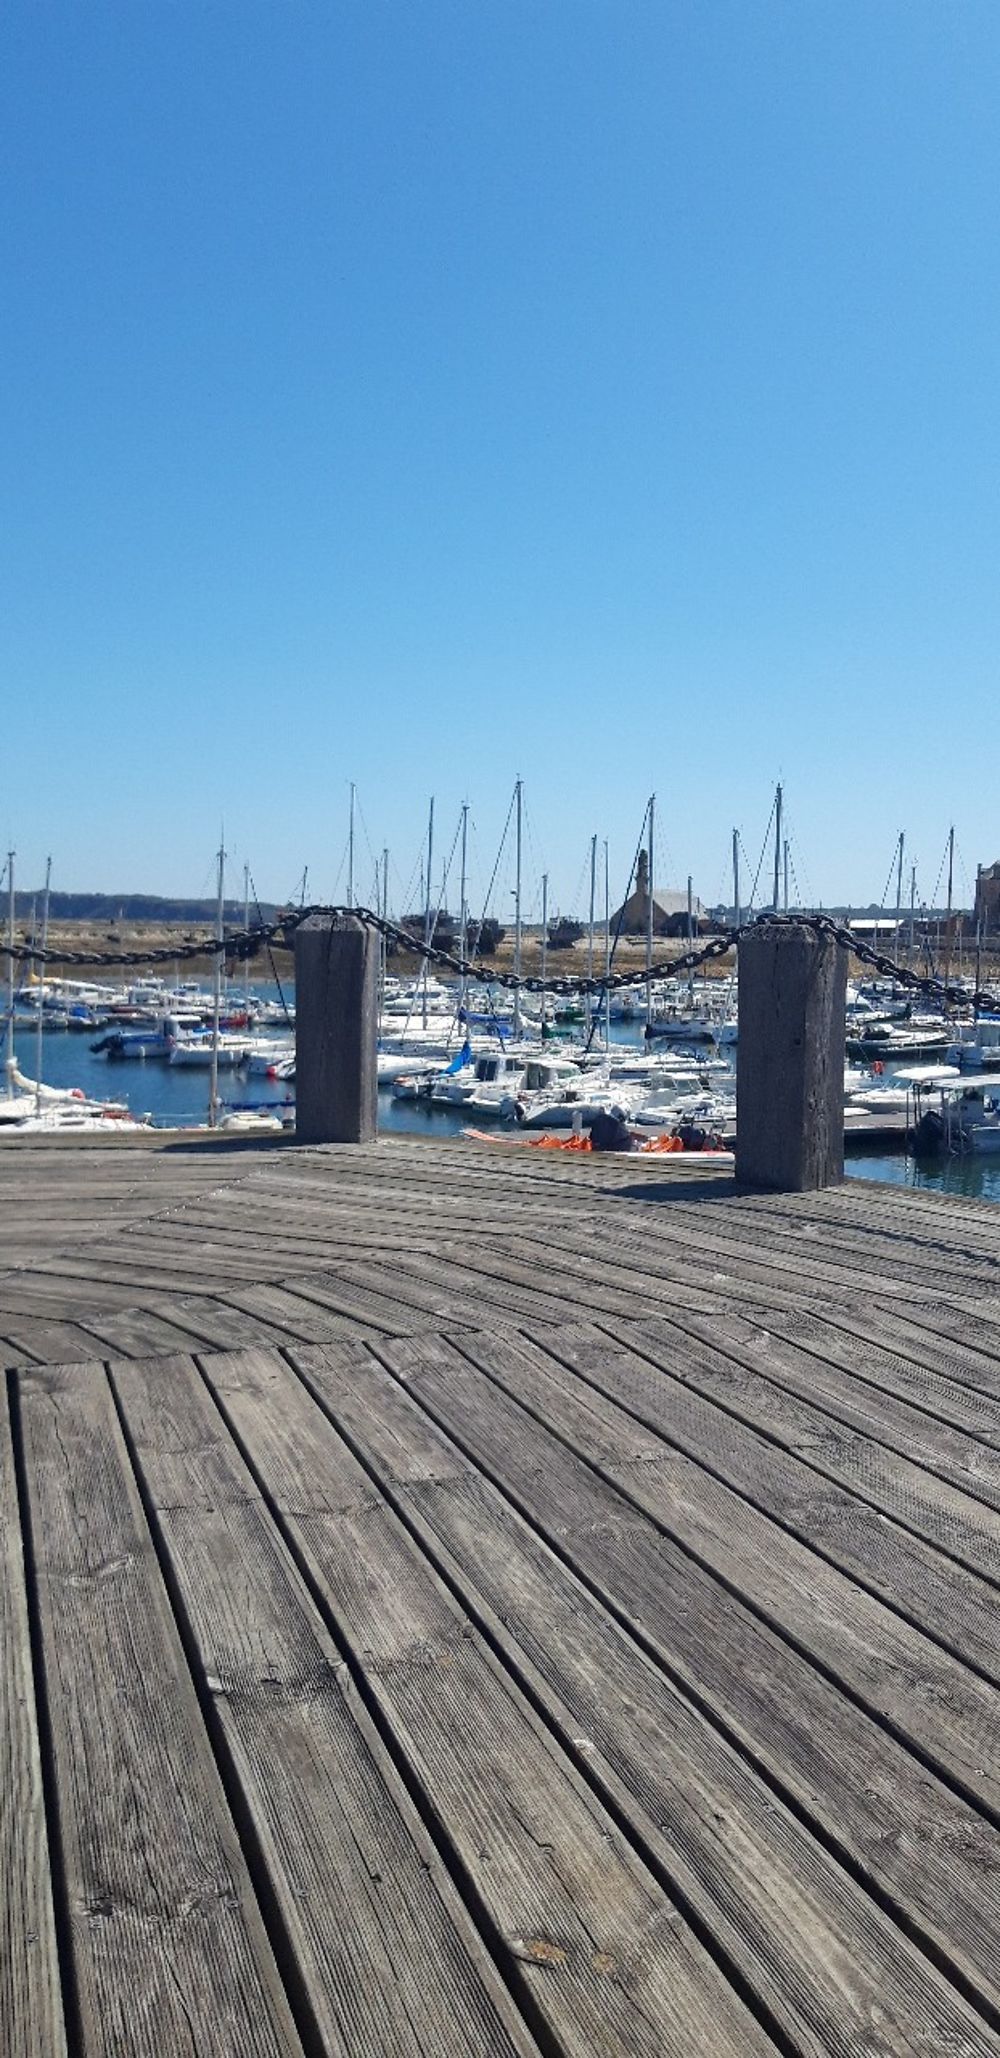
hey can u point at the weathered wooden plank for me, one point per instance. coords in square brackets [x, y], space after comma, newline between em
[30, 1988]
[404, 1304]
[46, 1343]
[819, 1956]
[825, 1486]
[915, 1257]
[169, 1950]
[224, 1327]
[929, 1854]
[957, 1338]
[607, 1960]
[363, 1294]
[477, 1279]
[667, 1234]
[930, 1700]
[954, 1522]
[91, 1275]
[384, 1951]
[881, 1416]
[140, 1332]
[289, 1313]
[873, 1355]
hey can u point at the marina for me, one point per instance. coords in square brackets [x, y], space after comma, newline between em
[411, 1101]
[500, 1032]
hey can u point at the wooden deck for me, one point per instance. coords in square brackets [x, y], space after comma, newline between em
[469, 1601]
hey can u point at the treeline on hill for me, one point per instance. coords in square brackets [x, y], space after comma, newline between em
[107, 908]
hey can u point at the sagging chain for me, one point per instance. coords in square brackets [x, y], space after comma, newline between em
[240, 946]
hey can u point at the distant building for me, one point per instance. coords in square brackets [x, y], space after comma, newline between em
[670, 910]
[986, 912]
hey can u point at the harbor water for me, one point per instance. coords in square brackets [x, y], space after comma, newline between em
[177, 1097]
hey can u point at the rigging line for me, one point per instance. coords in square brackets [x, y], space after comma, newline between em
[343, 861]
[940, 875]
[578, 888]
[415, 870]
[474, 951]
[274, 969]
[763, 851]
[359, 811]
[888, 880]
[746, 860]
[535, 851]
[620, 923]
[792, 844]
[450, 860]
[795, 876]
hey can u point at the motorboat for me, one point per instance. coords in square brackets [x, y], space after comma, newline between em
[499, 1078]
[262, 1054]
[885, 1093]
[200, 1046]
[153, 1039]
[965, 1119]
[711, 1111]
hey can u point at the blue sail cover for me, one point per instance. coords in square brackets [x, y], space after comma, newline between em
[461, 1058]
[495, 1023]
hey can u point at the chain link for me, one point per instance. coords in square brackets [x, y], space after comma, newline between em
[245, 944]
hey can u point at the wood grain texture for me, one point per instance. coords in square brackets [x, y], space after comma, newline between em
[31, 2010]
[931, 1852]
[170, 1954]
[818, 1955]
[383, 1952]
[606, 1958]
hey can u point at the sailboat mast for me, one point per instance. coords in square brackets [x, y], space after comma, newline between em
[10, 957]
[736, 879]
[650, 812]
[213, 1077]
[784, 860]
[777, 845]
[350, 850]
[951, 882]
[607, 945]
[979, 941]
[913, 917]
[428, 924]
[40, 995]
[383, 956]
[545, 945]
[590, 933]
[246, 929]
[463, 910]
[690, 940]
[899, 892]
[517, 906]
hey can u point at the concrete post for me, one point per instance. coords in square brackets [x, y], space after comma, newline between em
[790, 1060]
[336, 1031]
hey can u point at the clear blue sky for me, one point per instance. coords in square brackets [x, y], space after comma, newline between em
[601, 390]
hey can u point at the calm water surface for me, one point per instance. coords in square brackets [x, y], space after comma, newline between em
[178, 1098]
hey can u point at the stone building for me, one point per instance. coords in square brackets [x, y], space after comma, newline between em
[669, 909]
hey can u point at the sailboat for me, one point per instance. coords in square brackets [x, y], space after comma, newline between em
[29, 1106]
